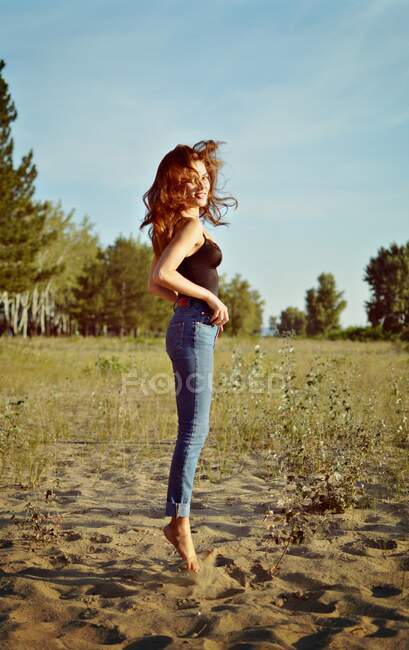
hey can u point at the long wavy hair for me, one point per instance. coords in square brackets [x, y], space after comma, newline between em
[167, 196]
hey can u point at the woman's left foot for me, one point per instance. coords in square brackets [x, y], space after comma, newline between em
[181, 538]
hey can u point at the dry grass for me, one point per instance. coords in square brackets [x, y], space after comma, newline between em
[304, 407]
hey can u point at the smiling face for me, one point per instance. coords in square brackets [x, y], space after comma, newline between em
[197, 193]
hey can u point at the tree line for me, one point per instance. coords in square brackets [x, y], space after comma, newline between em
[57, 279]
[387, 274]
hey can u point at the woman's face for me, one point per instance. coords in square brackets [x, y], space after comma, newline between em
[198, 193]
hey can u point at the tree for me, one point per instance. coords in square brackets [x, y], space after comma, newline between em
[112, 293]
[244, 305]
[89, 299]
[324, 306]
[388, 277]
[273, 323]
[292, 319]
[73, 248]
[127, 271]
[21, 218]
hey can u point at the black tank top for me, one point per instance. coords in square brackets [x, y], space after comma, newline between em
[200, 267]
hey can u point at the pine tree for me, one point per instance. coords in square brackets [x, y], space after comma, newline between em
[88, 304]
[22, 218]
[129, 304]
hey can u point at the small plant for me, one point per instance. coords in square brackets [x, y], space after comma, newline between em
[287, 528]
[401, 437]
[38, 526]
[305, 508]
[111, 365]
[21, 449]
[10, 429]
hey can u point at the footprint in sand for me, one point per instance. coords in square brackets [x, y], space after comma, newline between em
[87, 613]
[259, 637]
[201, 628]
[361, 546]
[110, 590]
[381, 543]
[260, 574]
[7, 587]
[59, 559]
[403, 564]
[385, 591]
[158, 642]
[214, 581]
[6, 543]
[100, 538]
[95, 634]
[307, 601]
[71, 535]
[187, 603]
[232, 569]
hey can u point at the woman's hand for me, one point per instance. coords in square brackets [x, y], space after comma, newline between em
[219, 331]
[220, 314]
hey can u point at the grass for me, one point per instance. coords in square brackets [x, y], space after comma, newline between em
[305, 408]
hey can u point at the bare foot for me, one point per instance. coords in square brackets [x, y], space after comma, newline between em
[181, 538]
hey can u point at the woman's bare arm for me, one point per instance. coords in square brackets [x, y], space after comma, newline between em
[162, 292]
[164, 272]
[157, 289]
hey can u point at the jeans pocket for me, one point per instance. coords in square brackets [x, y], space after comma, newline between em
[174, 337]
[205, 331]
[207, 326]
[204, 320]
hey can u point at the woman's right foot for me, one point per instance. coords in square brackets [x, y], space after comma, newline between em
[181, 538]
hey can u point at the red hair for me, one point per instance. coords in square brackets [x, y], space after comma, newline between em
[167, 196]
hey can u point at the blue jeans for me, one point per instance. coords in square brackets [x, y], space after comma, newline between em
[190, 343]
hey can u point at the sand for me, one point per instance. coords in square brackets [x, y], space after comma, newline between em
[110, 578]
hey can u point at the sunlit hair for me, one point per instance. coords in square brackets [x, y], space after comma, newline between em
[168, 196]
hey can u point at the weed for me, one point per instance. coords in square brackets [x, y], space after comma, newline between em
[111, 365]
[37, 526]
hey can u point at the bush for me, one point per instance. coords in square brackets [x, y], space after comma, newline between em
[358, 333]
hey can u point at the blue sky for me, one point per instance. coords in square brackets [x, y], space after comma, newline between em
[310, 96]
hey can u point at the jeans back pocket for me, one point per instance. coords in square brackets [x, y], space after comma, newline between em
[174, 336]
[204, 319]
[205, 330]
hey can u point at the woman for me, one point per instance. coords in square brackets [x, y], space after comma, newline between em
[184, 272]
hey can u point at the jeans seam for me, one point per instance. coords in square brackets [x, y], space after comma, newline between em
[194, 418]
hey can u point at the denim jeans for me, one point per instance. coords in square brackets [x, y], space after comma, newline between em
[190, 343]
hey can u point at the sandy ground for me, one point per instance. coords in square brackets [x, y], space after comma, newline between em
[111, 578]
